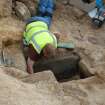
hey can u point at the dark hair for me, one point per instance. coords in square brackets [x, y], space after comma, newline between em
[49, 51]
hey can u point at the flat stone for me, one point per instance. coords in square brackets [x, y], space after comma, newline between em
[22, 11]
[62, 67]
[13, 57]
[41, 76]
[14, 92]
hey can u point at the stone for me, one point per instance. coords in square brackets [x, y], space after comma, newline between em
[92, 58]
[22, 11]
[13, 57]
[5, 8]
[31, 4]
[13, 72]
[41, 76]
[89, 91]
[11, 30]
[14, 92]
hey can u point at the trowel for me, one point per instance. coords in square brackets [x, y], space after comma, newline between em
[68, 45]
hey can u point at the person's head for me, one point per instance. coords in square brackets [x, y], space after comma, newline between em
[49, 51]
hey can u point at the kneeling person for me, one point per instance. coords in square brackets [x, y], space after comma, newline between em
[40, 42]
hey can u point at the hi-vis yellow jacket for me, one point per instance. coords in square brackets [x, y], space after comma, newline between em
[37, 34]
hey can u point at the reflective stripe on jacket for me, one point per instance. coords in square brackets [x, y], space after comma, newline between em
[38, 35]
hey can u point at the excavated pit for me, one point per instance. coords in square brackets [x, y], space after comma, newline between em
[65, 68]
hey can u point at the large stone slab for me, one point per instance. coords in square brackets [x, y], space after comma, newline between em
[22, 11]
[90, 91]
[92, 58]
[11, 29]
[41, 76]
[14, 92]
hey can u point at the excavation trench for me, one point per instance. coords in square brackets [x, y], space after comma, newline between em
[65, 68]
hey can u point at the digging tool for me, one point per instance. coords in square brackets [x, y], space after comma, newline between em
[68, 45]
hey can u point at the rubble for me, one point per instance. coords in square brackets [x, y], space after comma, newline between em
[68, 93]
[16, 92]
[85, 91]
[37, 77]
